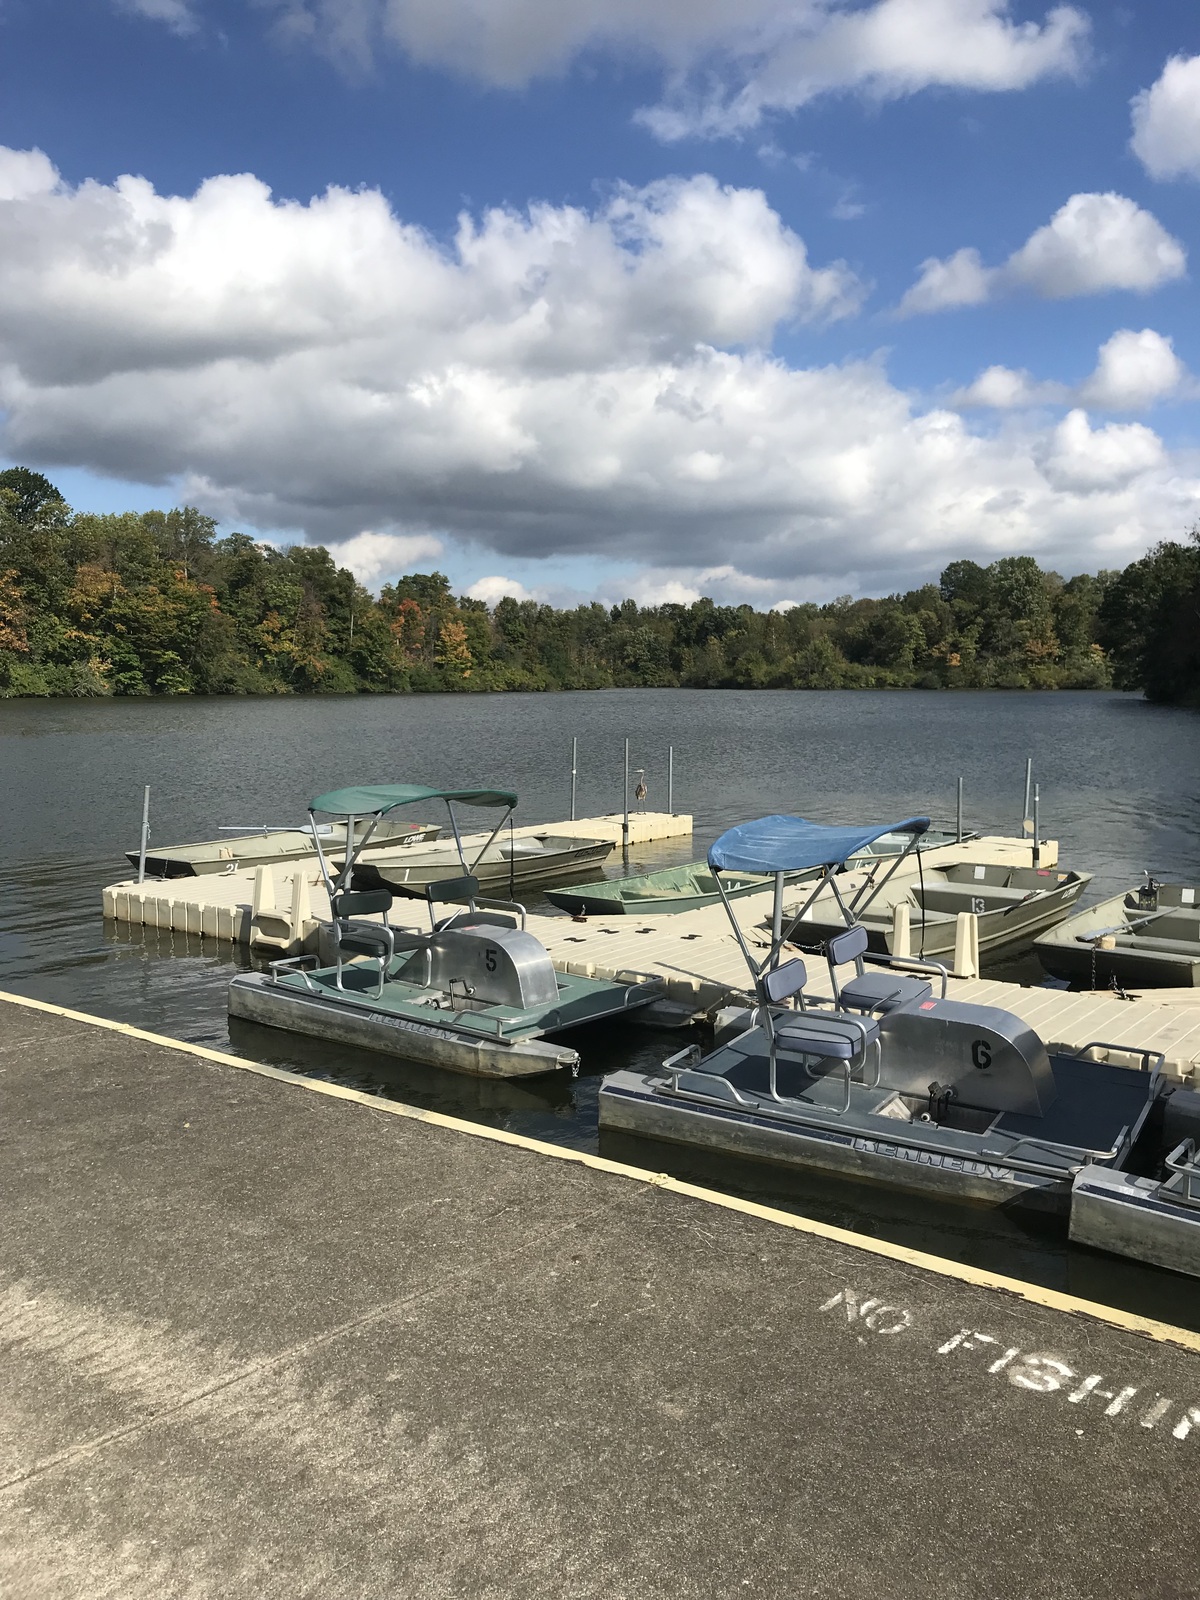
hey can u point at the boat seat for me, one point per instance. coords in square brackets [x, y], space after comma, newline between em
[884, 992]
[362, 938]
[827, 1034]
[869, 991]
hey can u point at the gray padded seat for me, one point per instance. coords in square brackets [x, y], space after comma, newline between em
[870, 991]
[817, 1033]
[884, 991]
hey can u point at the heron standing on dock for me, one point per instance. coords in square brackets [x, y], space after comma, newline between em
[640, 791]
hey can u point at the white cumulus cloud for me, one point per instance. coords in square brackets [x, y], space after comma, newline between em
[1085, 459]
[493, 589]
[727, 62]
[1133, 372]
[375, 557]
[1006, 389]
[885, 51]
[552, 382]
[1092, 244]
[1166, 121]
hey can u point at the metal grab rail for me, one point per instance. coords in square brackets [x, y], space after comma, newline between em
[294, 964]
[1147, 1054]
[912, 964]
[1182, 1162]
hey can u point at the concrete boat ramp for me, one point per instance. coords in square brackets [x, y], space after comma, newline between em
[267, 1338]
[264, 1336]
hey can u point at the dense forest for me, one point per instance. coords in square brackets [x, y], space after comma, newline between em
[156, 603]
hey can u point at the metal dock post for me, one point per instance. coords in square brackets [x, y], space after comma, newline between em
[959, 829]
[141, 878]
[1025, 822]
[574, 769]
[625, 824]
[670, 780]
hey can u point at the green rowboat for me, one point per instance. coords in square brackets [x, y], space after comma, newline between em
[673, 889]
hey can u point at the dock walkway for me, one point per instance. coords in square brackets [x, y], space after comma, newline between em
[268, 1338]
[694, 952]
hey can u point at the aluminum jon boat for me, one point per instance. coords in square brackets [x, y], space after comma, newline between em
[476, 993]
[654, 893]
[892, 1081]
[1149, 938]
[261, 847]
[1012, 904]
[692, 887]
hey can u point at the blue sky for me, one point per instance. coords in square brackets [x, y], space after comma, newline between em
[771, 301]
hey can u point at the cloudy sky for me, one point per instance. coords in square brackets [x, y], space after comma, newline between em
[767, 299]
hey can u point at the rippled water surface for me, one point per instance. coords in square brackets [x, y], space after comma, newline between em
[1120, 787]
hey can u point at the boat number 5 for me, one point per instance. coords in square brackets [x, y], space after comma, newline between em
[981, 1052]
[489, 959]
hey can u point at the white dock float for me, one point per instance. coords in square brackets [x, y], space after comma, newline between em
[278, 909]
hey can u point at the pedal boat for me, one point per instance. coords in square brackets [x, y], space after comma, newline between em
[888, 1081]
[476, 994]
[1146, 939]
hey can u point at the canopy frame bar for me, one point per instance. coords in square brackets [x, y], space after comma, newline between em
[827, 881]
[336, 882]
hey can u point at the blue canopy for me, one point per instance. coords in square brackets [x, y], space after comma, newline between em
[791, 844]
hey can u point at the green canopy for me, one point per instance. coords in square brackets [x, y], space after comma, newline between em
[374, 799]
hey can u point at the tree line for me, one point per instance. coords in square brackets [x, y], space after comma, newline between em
[155, 603]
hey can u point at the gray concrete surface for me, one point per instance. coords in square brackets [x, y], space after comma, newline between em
[258, 1342]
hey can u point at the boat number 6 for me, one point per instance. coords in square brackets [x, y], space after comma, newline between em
[981, 1052]
[489, 960]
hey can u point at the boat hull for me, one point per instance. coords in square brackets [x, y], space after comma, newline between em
[626, 1104]
[1071, 952]
[935, 940]
[350, 1021]
[398, 870]
[607, 898]
[1128, 1216]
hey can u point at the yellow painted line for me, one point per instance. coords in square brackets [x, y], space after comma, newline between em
[1052, 1299]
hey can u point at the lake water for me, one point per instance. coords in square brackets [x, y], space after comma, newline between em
[1120, 790]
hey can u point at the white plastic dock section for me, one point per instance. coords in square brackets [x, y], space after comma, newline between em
[277, 908]
[695, 953]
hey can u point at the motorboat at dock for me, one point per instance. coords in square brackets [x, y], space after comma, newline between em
[476, 993]
[1148, 938]
[893, 1082]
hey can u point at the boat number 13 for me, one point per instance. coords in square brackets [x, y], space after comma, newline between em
[489, 959]
[981, 1052]
[978, 904]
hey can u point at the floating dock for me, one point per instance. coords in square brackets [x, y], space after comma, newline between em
[694, 952]
[268, 1337]
[278, 907]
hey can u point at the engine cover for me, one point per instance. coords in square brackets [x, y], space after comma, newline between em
[499, 966]
[993, 1059]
